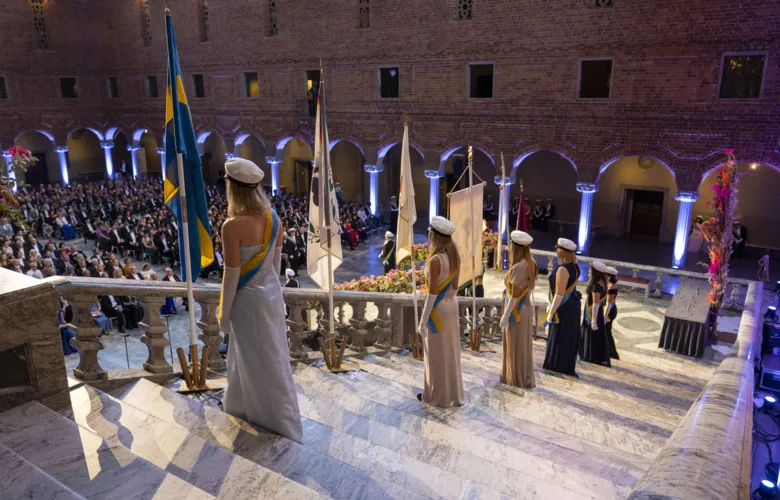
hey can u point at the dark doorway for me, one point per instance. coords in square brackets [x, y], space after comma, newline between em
[302, 176]
[645, 212]
[39, 173]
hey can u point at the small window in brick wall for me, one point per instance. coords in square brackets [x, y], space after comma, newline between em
[69, 88]
[40, 23]
[389, 80]
[742, 76]
[199, 89]
[146, 23]
[464, 9]
[604, 3]
[596, 78]
[273, 26]
[364, 14]
[251, 84]
[113, 87]
[151, 86]
[3, 88]
[480, 81]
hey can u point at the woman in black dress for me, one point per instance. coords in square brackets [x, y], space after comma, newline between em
[611, 310]
[595, 347]
[563, 314]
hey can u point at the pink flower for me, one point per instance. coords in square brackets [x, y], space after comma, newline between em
[728, 151]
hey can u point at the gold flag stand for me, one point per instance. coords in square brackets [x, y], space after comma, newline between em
[196, 375]
[334, 358]
[417, 346]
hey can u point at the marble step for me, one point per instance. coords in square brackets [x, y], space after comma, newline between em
[21, 479]
[173, 449]
[321, 472]
[507, 470]
[582, 423]
[535, 452]
[85, 463]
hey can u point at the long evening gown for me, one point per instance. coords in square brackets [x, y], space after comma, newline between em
[260, 384]
[609, 321]
[563, 336]
[443, 382]
[595, 346]
[517, 357]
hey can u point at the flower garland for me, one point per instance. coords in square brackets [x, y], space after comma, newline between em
[421, 252]
[21, 160]
[396, 281]
[718, 233]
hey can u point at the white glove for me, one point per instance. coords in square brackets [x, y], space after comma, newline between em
[554, 307]
[508, 311]
[594, 316]
[278, 260]
[610, 305]
[426, 312]
[228, 293]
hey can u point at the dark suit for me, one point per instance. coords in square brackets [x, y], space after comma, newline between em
[388, 255]
[739, 234]
[114, 311]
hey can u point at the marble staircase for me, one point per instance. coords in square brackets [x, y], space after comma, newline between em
[365, 436]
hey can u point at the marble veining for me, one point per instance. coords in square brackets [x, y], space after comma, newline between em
[21, 479]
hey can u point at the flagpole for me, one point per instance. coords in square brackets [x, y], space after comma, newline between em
[326, 208]
[187, 259]
[407, 120]
[504, 207]
[473, 244]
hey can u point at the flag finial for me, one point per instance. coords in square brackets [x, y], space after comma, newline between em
[406, 119]
[167, 10]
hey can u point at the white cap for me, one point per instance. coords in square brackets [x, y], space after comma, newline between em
[243, 172]
[611, 270]
[289, 273]
[567, 244]
[442, 226]
[599, 266]
[389, 235]
[521, 238]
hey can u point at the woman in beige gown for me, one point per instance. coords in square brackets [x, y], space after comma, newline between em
[439, 324]
[517, 358]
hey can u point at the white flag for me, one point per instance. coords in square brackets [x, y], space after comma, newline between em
[323, 208]
[407, 212]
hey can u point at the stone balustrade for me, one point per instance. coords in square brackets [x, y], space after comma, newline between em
[734, 288]
[367, 319]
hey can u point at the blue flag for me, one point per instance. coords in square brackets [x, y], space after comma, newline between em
[180, 138]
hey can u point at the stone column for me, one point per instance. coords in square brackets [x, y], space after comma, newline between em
[61, 150]
[134, 158]
[686, 199]
[161, 152]
[9, 171]
[154, 335]
[433, 201]
[107, 147]
[86, 340]
[274, 163]
[586, 207]
[373, 173]
[209, 331]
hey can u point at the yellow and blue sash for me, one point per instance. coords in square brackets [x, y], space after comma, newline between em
[514, 316]
[253, 265]
[555, 319]
[587, 309]
[434, 321]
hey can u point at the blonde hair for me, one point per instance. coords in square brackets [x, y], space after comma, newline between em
[519, 253]
[246, 200]
[566, 256]
[443, 244]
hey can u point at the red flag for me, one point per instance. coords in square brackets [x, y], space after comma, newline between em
[522, 215]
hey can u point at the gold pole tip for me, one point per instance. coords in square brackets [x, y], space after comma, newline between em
[167, 11]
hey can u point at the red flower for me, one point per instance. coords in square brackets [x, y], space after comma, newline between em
[728, 151]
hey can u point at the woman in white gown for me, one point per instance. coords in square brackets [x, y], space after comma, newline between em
[260, 385]
[696, 238]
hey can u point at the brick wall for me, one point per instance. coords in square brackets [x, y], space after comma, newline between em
[664, 102]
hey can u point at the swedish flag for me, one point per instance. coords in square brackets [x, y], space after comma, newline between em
[180, 138]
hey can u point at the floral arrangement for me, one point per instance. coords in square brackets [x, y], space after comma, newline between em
[717, 231]
[421, 252]
[396, 281]
[489, 241]
[21, 160]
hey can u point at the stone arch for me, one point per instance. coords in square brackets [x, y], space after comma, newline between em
[347, 159]
[759, 183]
[120, 154]
[547, 174]
[389, 181]
[148, 159]
[212, 149]
[387, 146]
[113, 132]
[484, 168]
[42, 146]
[634, 182]
[42, 132]
[295, 155]
[251, 147]
[86, 157]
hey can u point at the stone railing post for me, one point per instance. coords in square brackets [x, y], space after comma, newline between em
[383, 328]
[297, 329]
[209, 331]
[659, 276]
[86, 340]
[398, 339]
[154, 335]
[357, 327]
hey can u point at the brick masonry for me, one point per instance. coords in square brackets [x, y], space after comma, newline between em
[668, 58]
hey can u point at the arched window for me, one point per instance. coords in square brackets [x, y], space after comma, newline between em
[464, 9]
[146, 23]
[364, 14]
[273, 27]
[203, 20]
[40, 24]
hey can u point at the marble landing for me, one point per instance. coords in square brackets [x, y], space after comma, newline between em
[85, 463]
[173, 449]
[321, 469]
[21, 479]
